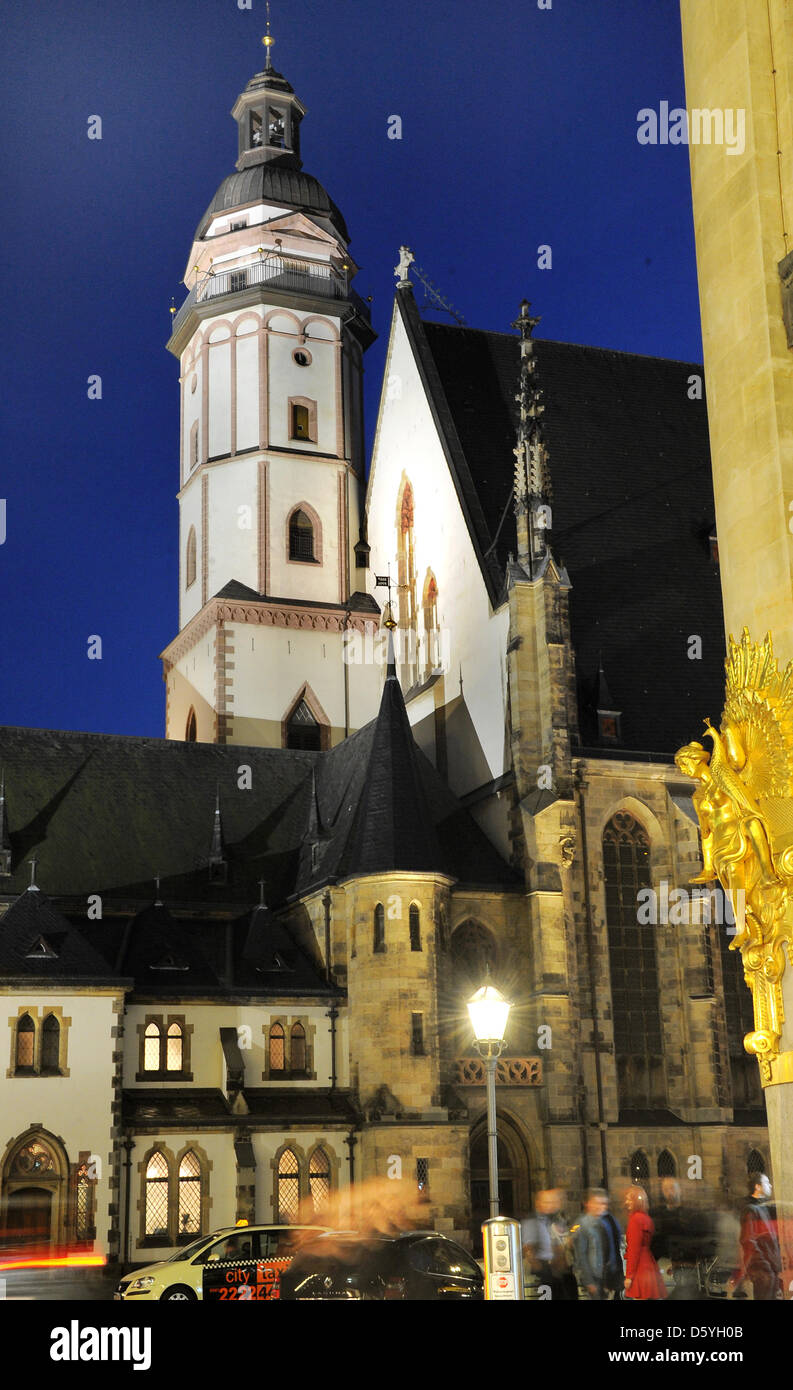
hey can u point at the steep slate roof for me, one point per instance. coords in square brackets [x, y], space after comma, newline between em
[632, 510]
[37, 942]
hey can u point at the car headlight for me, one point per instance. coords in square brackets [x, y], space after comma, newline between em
[143, 1283]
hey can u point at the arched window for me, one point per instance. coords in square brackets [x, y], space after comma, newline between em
[302, 418]
[414, 919]
[634, 969]
[379, 928]
[667, 1167]
[432, 653]
[190, 559]
[26, 1043]
[755, 1163]
[174, 1049]
[288, 1187]
[319, 1178]
[301, 536]
[277, 1049]
[194, 445]
[640, 1166]
[302, 729]
[189, 1195]
[473, 951]
[156, 1198]
[406, 582]
[151, 1047]
[297, 1048]
[85, 1192]
[191, 731]
[50, 1044]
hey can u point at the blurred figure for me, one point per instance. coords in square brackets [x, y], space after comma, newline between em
[642, 1275]
[545, 1241]
[761, 1258]
[596, 1245]
[684, 1237]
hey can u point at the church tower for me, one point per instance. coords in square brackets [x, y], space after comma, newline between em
[270, 342]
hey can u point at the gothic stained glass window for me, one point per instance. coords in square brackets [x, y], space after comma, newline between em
[297, 1048]
[633, 966]
[288, 1187]
[174, 1047]
[33, 1158]
[277, 1049]
[26, 1042]
[319, 1178]
[189, 1195]
[157, 1196]
[50, 1043]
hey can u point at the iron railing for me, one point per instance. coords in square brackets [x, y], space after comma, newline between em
[278, 273]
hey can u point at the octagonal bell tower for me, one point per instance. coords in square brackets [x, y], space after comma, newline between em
[270, 343]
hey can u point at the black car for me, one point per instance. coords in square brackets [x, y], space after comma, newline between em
[414, 1265]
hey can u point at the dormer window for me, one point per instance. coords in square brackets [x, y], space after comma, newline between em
[608, 726]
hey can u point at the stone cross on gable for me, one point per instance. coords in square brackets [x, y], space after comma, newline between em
[406, 259]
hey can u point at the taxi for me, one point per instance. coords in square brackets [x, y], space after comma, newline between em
[258, 1252]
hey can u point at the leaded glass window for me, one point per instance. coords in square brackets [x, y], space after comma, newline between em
[319, 1178]
[26, 1043]
[50, 1043]
[297, 1048]
[151, 1047]
[667, 1168]
[157, 1196]
[189, 1195]
[301, 531]
[277, 1049]
[640, 1166]
[84, 1203]
[638, 1043]
[288, 1187]
[174, 1047]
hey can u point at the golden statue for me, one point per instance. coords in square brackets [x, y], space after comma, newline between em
[744, 802]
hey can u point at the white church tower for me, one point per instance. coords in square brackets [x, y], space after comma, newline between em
[273, 566]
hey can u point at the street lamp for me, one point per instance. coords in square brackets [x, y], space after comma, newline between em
[488, 1011]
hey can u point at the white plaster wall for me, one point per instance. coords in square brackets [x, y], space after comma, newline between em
[189, 515]
[286, 379]
[219, 371]
[198, 667]
[292, 481]
[192, 397]
[272, 663]
[262, 212]
[247, 387]
[233, 534]
[75, 1108]
[407, 443]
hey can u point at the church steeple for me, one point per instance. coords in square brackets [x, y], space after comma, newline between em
[268, 116]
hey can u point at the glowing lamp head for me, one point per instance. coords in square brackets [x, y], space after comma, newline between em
[488, 1011]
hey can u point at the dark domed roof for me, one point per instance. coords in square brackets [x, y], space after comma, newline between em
[274, 181]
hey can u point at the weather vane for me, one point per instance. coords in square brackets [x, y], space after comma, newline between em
[268, 39]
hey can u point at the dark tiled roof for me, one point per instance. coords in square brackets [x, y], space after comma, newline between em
[632, 511]
[182, 1106]
[36, 941]
[280, 181]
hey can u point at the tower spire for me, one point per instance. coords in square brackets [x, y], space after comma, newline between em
[268, 42]
[532, 495]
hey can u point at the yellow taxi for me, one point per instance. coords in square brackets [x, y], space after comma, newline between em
[233, 1248]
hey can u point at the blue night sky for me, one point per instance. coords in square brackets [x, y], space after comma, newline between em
[519, 129]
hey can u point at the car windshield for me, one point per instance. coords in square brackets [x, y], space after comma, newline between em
[187, 1251]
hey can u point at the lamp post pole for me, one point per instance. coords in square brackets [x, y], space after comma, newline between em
[488, 1010]
[492, 1133]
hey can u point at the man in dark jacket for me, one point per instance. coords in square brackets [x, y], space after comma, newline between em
[596, 1242]
[761, 1259]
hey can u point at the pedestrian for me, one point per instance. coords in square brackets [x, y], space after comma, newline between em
[761, 1258]
[596, 1245]
[684, 1237]
[642, 1276]
[545, 1239]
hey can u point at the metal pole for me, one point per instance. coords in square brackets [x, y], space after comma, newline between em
[492, 1137]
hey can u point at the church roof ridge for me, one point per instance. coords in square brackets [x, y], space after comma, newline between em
[561, 342]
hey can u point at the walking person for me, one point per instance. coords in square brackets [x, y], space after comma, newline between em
[642, 1276]
[544, 1238]
[596, 1245]
[761, 1258]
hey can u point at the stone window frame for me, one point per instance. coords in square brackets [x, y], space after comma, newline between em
[306, 693]
[379, 946]
[164, 1022]
[303, 1156]
[38, 1014]
[287, 1023]
[173, 1159]
[316, 523]
[311, 408]
[414, 908]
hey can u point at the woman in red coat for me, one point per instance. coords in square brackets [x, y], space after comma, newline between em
[642, 1275]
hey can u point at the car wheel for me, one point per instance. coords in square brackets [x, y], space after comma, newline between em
[180, 1292]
